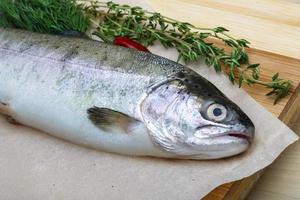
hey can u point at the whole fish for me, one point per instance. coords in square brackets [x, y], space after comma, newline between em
[116, 99]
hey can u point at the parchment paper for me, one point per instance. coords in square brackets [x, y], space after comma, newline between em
[34, 165]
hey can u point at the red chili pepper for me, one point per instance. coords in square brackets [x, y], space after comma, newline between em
[128, 43]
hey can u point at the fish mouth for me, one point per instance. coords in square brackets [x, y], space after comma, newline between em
[246, 133]
[240, 135]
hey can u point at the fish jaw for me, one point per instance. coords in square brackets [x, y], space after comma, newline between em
[220, 142]
[237, 130]
[234, 146]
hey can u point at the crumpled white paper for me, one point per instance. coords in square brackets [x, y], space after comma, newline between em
[34, 165]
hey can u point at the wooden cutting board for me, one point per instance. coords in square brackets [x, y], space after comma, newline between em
[273, 28]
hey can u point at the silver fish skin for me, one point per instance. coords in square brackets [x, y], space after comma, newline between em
[116, 99]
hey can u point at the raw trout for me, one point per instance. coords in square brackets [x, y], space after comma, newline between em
[116, 99]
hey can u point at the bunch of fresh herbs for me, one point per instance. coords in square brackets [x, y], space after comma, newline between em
[44, 16]
[57, 16]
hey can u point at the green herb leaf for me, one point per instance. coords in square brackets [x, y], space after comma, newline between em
[253, 66]
[219, 29]
[275, 77]
[241, 79]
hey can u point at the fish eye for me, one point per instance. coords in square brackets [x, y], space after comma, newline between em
[216, 112]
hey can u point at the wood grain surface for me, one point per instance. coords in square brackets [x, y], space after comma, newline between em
[273, 28]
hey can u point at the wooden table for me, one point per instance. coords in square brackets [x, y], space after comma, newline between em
[273, 28]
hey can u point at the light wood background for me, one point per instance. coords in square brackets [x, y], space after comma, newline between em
[273, 28]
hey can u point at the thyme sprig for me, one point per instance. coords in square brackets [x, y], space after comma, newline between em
[190, 42]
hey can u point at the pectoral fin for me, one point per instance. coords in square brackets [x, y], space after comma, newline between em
[107, 119]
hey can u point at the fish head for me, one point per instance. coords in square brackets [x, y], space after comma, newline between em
[189, 117]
